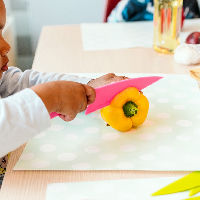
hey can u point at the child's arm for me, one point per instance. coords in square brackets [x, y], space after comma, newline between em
[26, 114]
[22, 116]
[14, 80]
[65, 97]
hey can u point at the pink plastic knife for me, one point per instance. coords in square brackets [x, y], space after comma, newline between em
[105, 94]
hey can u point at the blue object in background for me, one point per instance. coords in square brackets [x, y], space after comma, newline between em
[137, 10]
[142, 10]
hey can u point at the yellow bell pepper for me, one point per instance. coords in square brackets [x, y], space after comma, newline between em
[128, 109]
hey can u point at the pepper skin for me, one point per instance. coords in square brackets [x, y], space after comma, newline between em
[127, 110]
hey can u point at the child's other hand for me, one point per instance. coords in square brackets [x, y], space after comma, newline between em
[65, 97]
[105, 80]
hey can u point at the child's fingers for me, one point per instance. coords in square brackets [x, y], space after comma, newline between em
[123, 77]
[114, 77]
[62, 117]
[118, 78]
[90, 93]
[68, 117]
[109, 76]
[83, 104]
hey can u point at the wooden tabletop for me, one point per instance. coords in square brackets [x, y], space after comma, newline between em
[60, 50]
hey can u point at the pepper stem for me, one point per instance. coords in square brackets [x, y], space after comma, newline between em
[130, 109]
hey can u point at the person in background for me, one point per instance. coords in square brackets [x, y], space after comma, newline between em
[142, 10]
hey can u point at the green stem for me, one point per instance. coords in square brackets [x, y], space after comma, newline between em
[130, 109]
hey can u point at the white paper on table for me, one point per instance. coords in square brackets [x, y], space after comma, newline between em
[116, 36]
[126, 35]
[136, 189]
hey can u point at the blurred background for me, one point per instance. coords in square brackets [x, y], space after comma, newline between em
[25, 19]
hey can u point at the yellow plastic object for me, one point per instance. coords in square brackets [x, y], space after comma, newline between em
[128, 109]
[188, 182]
[194, 191]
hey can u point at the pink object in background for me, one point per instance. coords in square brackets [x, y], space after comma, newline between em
[105, 94]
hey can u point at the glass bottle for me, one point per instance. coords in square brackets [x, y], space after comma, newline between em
[167, 25]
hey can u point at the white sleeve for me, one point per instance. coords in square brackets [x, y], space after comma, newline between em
[22, 116]
[14, 80]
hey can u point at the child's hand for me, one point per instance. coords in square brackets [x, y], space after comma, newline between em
[105, 80]
[65, 97]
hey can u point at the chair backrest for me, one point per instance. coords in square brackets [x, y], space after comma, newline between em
[110, 4]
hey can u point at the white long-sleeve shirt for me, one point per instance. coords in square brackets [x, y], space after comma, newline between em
[22, 113]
